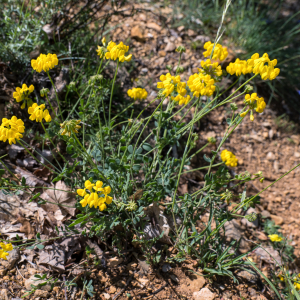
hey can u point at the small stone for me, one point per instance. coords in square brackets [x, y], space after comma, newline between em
[162, 53]
[278, 220]
[41, 293]
[180, 28]
[106, 296]
[191, 32]
[6, 278]
[132, 266]
[154, 26]
[197, 282]
[204, 294]
[297, 154]
[35, 281]
[271, 134]
[174, 278]
[144, 70]
[265, 214]
[250, 276]
[3, 272]
[115, 261]
[271, 156]
[137, 32]
[3, 294]
[112, 290]
[166, 268]
[13, 256]
[170, 47]
[32, 271]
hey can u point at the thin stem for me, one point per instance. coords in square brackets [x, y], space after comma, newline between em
[111, 94]
[58, 103]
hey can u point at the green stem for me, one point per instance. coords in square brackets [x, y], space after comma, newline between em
[111, 94]
[58, 103]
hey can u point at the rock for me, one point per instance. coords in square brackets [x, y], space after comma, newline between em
[271, 156]
[170, 47]
[174, 278]
[41, 293]
[166, 268]
[115, 261]
[112, 289]
[197, 282]
[106, 296]
[180, 28]
[162, 53]
[204, 294]
[154, 26]
[14, 151]
[278, 220]
[191, 32]
[271, 134]
[13, 256]
[265, 214]
[4, 295]
[144, 70]
[202, 38]
[297, 154]
[152, 95]
[137, 33]
[35, 281]
[268, 254]
[250, 276]
[49, 30]
[45, 156]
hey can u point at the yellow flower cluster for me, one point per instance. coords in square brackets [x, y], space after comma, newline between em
[5, 248]
[171, 83]
[92, 198]
[219, 51]
[11, 129]
[38, 113]
[254, 102]
[44, 62]
[22, 94]
[137, 93]
[181, 100]
[69, 127]
[115, 51]
[210, 68]
[297, 282]
[229, 158]
[257, 65]
[201, 84]
[275, 238]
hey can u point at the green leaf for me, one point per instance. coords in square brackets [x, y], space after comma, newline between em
[2, 172]
[23, 181]
[78, 221]
[147, 147]
[40, 246]
[130, 149]
[264, 276]
[206, 158]
[35, 196]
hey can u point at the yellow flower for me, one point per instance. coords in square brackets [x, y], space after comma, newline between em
[257, 65]
[6, 247]
[69, 127]
[23, 94]
[38, 113]
[219, 51]
[210, 68]
[100, 51]
[44, 62]
[99, 198]
[137, 93]
[254, 102]
[229, 158]
[103, 41]
[3, 254]
[181, 100]
[239, 67]
[275, 238]
[11, 130]
[168, 83]
[115, 51]
[201, 84]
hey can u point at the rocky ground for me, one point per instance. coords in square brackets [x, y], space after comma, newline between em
[268, 144]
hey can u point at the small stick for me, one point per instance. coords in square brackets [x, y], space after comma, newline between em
[65, 288]
[19, 272]
[124, 288]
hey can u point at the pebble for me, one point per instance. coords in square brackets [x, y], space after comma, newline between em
[278, 220]
[41, 293]
[13, 256]
[204, 294]
[115, 261]
[35, 281]
[166, 268]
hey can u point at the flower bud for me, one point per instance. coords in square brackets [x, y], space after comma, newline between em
[233, 106]
[44, 92]
[248, 88]
[180, 49]
[211, 140]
